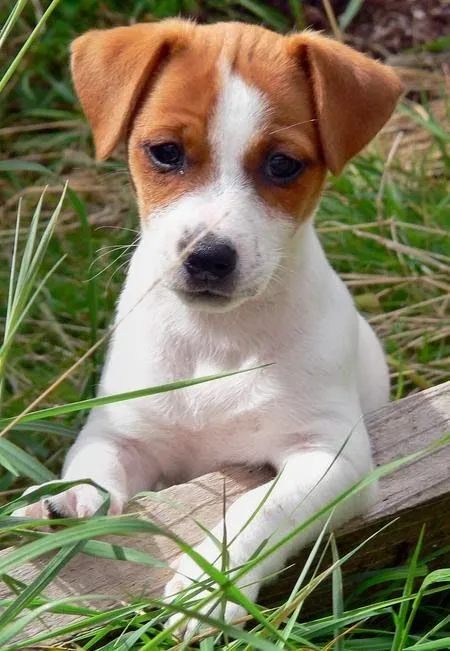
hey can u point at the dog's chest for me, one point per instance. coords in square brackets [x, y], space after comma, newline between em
[226, 419]
[229, 401]
[219, 422]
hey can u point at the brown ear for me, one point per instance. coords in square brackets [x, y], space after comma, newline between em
[110, 69]
[354, 96]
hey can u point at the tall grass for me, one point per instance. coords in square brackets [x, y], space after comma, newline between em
[384, 229]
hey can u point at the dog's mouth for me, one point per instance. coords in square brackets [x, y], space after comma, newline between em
[211, 300]
[205, 296]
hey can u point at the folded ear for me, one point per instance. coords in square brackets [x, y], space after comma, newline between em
[353, 95]
[111, 68]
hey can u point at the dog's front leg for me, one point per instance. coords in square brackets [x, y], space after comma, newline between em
[118, 464]
[306, 483]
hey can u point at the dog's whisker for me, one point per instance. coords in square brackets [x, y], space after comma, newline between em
[291, 126]
[119, 228]
[108, 252]
[97, 259]
[108, 266]
[116, 271]
[115, 247]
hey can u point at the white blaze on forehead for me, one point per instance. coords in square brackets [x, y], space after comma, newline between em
[240, 112]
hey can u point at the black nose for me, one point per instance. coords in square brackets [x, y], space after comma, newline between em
[211, 259]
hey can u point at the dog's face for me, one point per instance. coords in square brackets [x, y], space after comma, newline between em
[230, 131]
[222, 167]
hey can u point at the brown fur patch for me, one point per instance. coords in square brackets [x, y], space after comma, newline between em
[263, 61]
[177, 109]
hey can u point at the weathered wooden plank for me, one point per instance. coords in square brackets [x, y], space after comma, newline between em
[418, 493]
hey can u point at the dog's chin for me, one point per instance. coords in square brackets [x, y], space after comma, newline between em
[211, 301]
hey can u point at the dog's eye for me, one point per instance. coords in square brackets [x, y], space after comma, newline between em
[166, 156]
[282, 169]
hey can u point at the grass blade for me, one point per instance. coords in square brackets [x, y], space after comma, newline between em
[338, 594]
[23, 166]
[402, 624]
[22, 313]
[92, 620]
[101, 526]
[92, 284]
[438, 576]
[11, 21]
[443, 643]
[19, 301]
[14, 628]
[350, 12]
[119, 397]
[20, 463]
[26, 46]
[254, 641]
[52, 569]
[113, 552]
[46, 428]
[12, 273]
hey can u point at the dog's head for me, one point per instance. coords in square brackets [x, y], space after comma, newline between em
[230, 131]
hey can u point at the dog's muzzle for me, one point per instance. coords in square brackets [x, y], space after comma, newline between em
[212, 260]
[209, 269]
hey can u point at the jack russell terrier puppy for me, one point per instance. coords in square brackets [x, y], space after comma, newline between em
[231, 130]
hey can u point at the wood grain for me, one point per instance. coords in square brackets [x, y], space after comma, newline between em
[416, 494]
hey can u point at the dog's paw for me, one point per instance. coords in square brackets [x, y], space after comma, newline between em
[191, 585]
[186, 629]
[81, 501]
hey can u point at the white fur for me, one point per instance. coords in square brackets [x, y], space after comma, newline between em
[241, 110]
[289, 308]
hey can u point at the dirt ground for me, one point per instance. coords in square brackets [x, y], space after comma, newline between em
[391, 26]
[383, 27]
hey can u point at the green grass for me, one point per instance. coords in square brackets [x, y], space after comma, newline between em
[385, 229]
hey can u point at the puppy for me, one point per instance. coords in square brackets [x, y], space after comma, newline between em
[231, 130]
